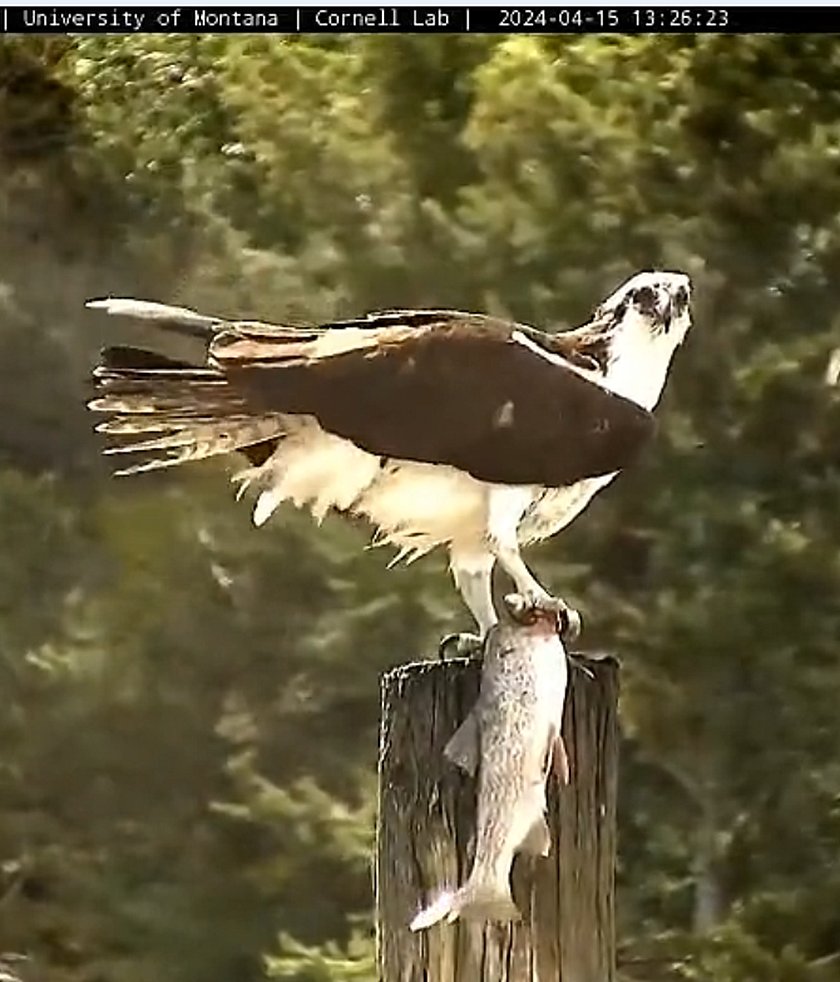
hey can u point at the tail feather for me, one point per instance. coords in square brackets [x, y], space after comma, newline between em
[481, 902]
[192, 402]
[127, 357]
[179, 319]
[130, 424]
[105, 373]
[176, 412]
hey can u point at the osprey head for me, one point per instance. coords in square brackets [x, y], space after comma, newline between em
[643, 323]
[656, 301]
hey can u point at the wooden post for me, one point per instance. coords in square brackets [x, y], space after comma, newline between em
[426, 819]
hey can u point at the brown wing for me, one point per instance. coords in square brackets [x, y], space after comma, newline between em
[264, 344]
[441, 387]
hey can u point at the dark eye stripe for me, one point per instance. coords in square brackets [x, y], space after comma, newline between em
[645, 297]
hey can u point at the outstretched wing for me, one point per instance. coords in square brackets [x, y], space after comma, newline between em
[441, 387]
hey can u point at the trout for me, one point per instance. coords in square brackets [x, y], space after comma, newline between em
[512, 739]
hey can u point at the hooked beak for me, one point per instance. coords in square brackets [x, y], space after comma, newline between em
[669, 306]
[656, 304]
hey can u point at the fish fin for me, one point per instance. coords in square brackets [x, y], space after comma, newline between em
[538, 840]
[490, 902]
[439, 909]
[556, 759]
[463, 746]
[560, 759]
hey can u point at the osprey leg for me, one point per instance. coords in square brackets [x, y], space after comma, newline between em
[505, 508]
[471, 572]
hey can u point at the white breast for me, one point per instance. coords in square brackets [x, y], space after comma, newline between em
[555, 508]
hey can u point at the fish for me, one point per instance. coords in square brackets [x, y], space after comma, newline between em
[512, 739]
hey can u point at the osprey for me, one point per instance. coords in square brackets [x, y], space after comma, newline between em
[442, 428]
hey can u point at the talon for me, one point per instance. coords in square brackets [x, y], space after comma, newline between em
[464, 645]
[571, 624]
[518, 605]
[569, 621]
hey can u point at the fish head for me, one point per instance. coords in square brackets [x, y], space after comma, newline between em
[540, 619]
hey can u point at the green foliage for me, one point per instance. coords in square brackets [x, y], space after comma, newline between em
[327, 963]
[191, 705]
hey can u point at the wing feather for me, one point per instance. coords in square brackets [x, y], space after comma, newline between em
[457, 390]
[244, 343]
[445, 387]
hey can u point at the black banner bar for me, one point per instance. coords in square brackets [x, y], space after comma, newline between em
[405, 20]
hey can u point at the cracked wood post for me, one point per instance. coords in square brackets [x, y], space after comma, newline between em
[426, 820]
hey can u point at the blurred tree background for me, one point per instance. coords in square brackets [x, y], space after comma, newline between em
[188, 739]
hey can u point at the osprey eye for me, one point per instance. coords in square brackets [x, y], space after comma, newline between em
[680, 299]
[645, 299]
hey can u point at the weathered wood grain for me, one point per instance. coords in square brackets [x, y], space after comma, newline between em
[426, 820]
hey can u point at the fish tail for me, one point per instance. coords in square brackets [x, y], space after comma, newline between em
[446, 906]
[474, 901]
